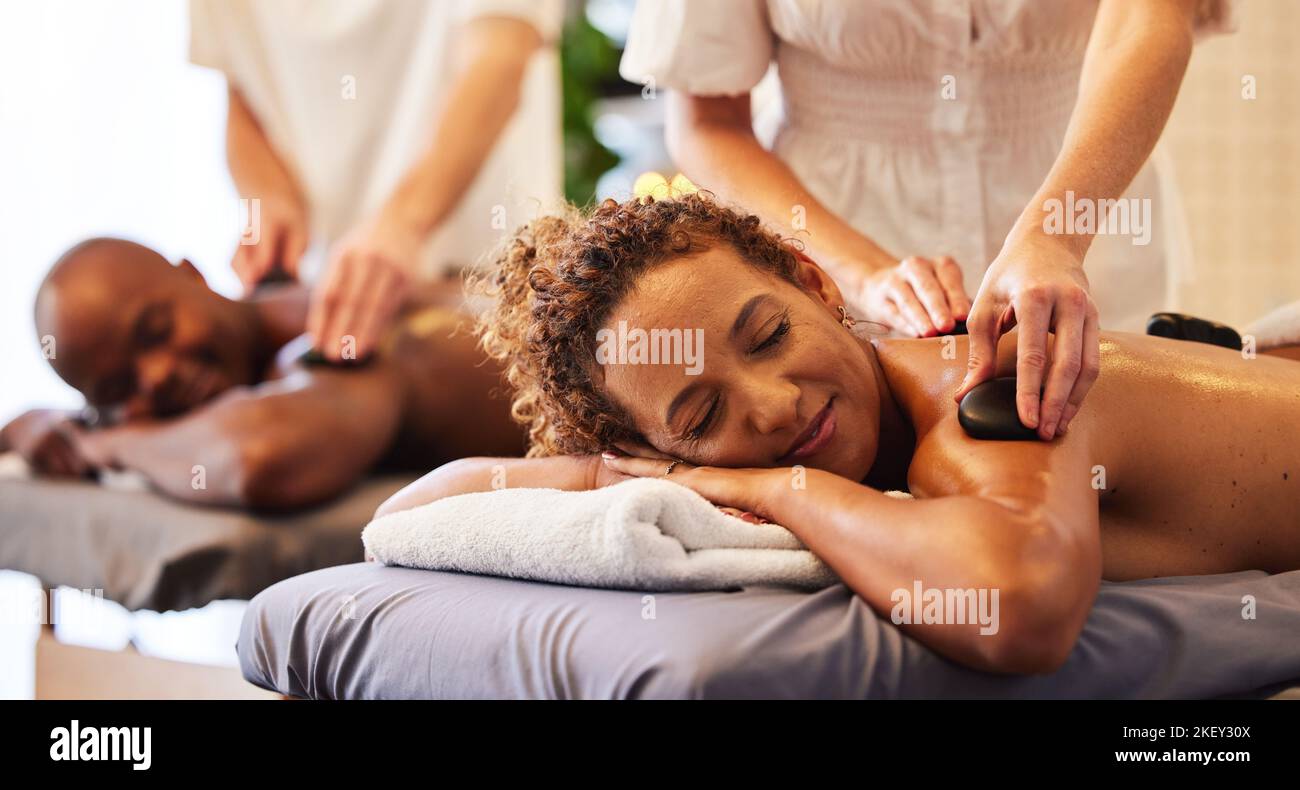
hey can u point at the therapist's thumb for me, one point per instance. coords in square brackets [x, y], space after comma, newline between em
[983, 328]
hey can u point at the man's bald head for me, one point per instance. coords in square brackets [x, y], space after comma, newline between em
[124, 320]
[93, 278]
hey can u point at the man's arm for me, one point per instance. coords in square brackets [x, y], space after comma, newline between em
[288, 443]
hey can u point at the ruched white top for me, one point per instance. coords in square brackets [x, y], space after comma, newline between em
[926, 124]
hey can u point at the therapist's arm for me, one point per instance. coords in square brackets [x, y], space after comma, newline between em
[281, 233]
[369, 270]
[712, 141]
[1135, 62]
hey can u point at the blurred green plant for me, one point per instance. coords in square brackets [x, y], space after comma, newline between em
[588, 61]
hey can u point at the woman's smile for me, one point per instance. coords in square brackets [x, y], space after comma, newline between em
[814, 438]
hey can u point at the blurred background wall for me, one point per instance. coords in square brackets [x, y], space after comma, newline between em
[1238, 163]
[104, 130]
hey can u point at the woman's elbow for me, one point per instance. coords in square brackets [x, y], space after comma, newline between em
[1043, 609]
[1030, 640]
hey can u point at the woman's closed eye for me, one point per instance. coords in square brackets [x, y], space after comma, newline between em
[772, 337]
[703, 424]
[768, 338]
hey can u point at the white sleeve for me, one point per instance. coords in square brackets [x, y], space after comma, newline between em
[207, 34]
[546, 16]
[704, 47]
[1213, 17]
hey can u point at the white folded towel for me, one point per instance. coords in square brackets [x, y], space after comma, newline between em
[644, 534]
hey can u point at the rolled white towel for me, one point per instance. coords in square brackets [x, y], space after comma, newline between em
[643, 534]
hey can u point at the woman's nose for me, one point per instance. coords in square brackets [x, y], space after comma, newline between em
[773, 406]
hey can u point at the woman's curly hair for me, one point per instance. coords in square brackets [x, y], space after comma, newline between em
[554, 285]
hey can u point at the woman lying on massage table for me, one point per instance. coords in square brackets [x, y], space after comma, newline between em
[1184, 459]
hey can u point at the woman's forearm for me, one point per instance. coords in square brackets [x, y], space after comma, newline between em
[1132, 70]
[712, 141]
[883, 547]
[471, 475]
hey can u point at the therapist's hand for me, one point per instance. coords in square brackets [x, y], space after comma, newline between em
[1039, 285]
[365, 282]
[921, 297]
[282, 237]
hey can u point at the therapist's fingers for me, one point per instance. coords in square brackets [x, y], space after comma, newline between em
[1089, 368]
[954, 286]
[1034, 316]
[332, 307]
[295, 244]
[920, 274]
[983, 328]
[324, 299]
[912, 311]
[891, 317]
[252, 261]
[899, 292]
[376, 307]
[343, 327]
[1068, 316]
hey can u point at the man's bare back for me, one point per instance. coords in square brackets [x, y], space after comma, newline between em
[446, 391]
[1192, 449]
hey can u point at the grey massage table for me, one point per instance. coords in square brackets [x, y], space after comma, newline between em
[145, 551]
[369, 631]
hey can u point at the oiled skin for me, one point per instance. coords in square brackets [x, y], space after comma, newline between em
[1199, 448]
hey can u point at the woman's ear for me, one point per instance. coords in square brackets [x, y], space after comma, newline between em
[816, 281]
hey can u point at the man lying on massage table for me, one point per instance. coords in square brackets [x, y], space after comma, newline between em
[1184, 459]
[193, 387]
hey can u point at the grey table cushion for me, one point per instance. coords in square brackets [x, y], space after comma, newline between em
[369, 631]
[146, 551]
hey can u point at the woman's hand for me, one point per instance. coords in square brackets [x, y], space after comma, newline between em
[365, 282]
[1039, 285]
[738, 492]
[919, 296]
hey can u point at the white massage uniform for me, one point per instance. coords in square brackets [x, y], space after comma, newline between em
[348, 92]
[866, 124]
